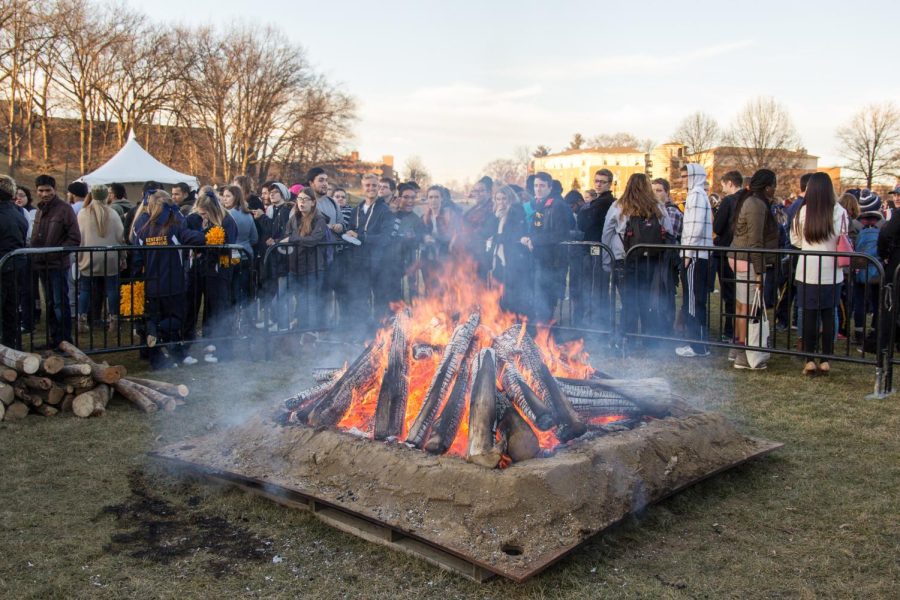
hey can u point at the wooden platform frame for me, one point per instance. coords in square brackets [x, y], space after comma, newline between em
[395, 538]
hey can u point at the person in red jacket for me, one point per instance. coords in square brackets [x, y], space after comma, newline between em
[54, 225]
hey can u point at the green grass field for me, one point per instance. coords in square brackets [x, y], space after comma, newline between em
[85, 513]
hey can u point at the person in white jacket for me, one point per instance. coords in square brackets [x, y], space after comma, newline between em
[696, 231]
[817, 228]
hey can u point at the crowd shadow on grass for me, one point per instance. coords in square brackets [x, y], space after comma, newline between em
[160, 531]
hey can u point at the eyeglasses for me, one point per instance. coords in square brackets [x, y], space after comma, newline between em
[601, 181]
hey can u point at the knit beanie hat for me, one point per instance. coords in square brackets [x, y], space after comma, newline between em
[99, 192]
[283, 191]
[7, 188]
[869, 201]
[78, 189]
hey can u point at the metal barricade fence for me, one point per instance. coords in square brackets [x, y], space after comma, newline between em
[589, 302]
[118, 298]
[860, 300]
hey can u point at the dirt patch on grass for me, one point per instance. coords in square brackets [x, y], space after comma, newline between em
[163, 532]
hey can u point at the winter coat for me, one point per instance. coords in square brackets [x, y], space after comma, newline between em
[13, 231]
[54, 225]
[247, 235]
[755, 227]
[99, 264]
[552, 223]
[819, 270]
[592, 216]
[164, 271]
[374, 232]
[443, 229]
[308, 256]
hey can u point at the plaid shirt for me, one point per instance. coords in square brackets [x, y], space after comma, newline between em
[677, 220]
[697, 225]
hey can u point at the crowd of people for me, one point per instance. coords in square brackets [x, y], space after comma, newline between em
[308, 258]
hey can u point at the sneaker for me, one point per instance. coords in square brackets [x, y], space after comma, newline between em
[688, 352]
[210, 349]
[733, 354]
[210, 358]
[273, 328]
[151, 341]
[741, 362]
[260, 325]
[189, 360]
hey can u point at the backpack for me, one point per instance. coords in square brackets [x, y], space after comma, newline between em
[641, 230]
[867, 243]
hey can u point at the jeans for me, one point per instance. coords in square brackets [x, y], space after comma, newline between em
[59, 315]
[86, 286]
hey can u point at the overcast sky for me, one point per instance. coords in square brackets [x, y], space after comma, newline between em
[463, 82]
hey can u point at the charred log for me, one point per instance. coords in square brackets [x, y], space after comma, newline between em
[483, 411]
[517, 438]
[443, 379]
[332, 406]
[521, 394]
[652, 396]
[391, 407]
[446, 425]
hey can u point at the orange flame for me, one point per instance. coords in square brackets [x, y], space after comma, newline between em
[433, 320]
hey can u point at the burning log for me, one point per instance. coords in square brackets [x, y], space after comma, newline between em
[446, 426]
[524, 397]
[92, 403]
[328, 374]
[514, 342]
[391, 407]
[652, 396]
[23, 362]
[334, 403]
[443, 377]
[517, 438]
[421, 351]
[483, 411]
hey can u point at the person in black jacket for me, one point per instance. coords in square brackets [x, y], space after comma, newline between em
[370, 225]
[592, 308]
[723, 228]
[164, 274]
[477, 225]
[13, 229]
[552, 223]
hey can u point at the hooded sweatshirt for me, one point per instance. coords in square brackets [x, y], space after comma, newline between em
[697, 229]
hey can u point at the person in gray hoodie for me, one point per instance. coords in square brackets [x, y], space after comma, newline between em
[696, 231]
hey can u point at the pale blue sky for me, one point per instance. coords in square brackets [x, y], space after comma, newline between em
[461, 83]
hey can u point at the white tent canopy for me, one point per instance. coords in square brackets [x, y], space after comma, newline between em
[133, 164]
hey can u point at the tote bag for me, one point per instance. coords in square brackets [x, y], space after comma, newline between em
[757, 333]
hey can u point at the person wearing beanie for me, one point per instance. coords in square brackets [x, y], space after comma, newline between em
[54, 225]
[13, 229]
[76, 193]
[100, 225]
[869, 201]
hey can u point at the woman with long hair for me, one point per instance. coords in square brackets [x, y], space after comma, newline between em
[637, 217]
[508, 258]
[442, 221]
[161, 224]
[219, 228]
[306, 231]
[100, 225]
[817, 228]
[753, 226]
[247, 237]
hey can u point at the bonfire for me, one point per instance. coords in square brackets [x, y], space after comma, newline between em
[452, 373]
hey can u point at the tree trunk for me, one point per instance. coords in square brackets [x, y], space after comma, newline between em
[23, 362]
[92, 403]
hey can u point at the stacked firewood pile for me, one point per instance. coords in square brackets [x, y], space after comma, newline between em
[73, 382]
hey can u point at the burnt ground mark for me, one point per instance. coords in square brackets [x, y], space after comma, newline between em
[160, 531]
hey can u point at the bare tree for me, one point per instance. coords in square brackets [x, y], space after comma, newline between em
[698, 132]
[415, 170]
[576, 143]
[507, 170]
[871, 141]
[764, 136]
[615, 140]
